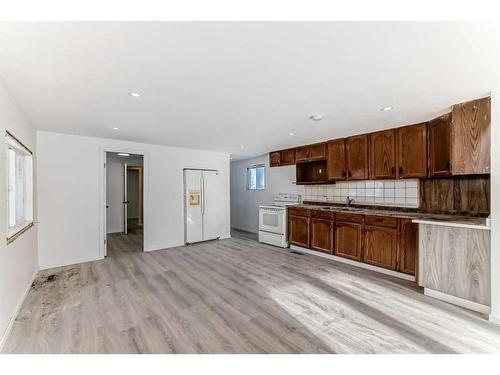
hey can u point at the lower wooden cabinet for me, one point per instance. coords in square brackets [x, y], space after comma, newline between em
[298, 230]
[348, 240]
[380, 247]
[381, 241]
[322, 235]
[408, 247]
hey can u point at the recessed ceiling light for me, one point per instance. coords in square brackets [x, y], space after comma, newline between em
[388, 108]
[135, 94]
[116, 128]
[316, 117]
[291, 133]
[242, 146]
[123, 154]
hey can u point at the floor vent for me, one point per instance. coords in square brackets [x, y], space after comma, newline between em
[51, 278]
[296, 252]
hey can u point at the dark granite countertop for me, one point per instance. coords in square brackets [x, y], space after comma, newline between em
[418, 217]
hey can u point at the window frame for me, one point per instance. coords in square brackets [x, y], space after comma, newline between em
[257, 166]
[21, 225]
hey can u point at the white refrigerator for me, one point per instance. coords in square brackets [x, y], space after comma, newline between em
[203, 206]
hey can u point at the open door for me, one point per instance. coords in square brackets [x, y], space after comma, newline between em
[125, 200]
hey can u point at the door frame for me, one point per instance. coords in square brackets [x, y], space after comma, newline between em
[102, 193]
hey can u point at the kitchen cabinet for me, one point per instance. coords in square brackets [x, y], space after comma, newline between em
[317, 151]
[322, 234]
[310, 152]
[412, 151]
[348, 236]
[336, 163]
[357, 157]
[380, 247]
[440, 146]
[408, 247]
[288, 157]
[470, 134]
[298, 227]
[275, 159]
[383, 154]
[313, 172]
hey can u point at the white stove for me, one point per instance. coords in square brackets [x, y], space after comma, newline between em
[273, 220]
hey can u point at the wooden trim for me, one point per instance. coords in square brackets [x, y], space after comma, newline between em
[13, 237]
[18, 141]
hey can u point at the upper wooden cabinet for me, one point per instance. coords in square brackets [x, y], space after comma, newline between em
[357, 157]
[275, 159]
[336, 160]
[411, 143]
[471, 137]
[317, 151]
[310, 152]
[383, 154]
[288, 157]
[440, 146]
[302, 154]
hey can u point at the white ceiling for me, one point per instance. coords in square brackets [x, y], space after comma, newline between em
[220, 85]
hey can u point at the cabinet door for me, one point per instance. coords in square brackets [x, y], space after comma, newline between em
[322, 235]
[302, 154]
[274, 159]
[348, 242]
[298, 230]
[440, 146]
[357, 157]
[383, 154]
[336, 160]
[471, 137]
[288, 157]
[317, 152]
[380, 247]
[408, 247]
[412, 151]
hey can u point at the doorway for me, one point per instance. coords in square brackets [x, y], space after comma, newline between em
[124, 197]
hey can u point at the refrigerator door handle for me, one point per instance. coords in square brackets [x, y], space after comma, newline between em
[202, 195]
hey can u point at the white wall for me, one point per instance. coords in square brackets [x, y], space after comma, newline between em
[19, 259]
[70, 191]
[495, 206]
[245, 203]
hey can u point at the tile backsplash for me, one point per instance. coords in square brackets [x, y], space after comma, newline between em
[401, 193]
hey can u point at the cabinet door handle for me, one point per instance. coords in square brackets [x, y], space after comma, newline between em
[400, 170]
[393, 171]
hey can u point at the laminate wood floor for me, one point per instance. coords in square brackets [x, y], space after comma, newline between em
[236, 296]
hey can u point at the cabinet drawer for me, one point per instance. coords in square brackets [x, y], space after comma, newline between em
[322, 214]
[349, 218]
[299, 212]
[382, 221]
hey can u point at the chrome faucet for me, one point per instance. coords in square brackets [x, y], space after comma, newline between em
[349, 201]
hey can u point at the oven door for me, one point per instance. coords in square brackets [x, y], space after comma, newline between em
[272, 220]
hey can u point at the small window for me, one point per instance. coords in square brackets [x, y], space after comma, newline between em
[19, 187]
[256, 177]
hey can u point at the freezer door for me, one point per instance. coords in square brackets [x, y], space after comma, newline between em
[193, 226]
[212, 205]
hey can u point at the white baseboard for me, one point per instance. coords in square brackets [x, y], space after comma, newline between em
[6, 333]
[474, 306]
[399, 275]
[495, 319]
